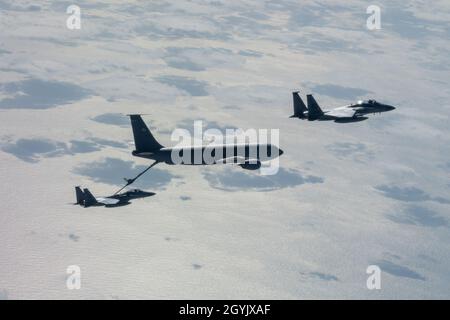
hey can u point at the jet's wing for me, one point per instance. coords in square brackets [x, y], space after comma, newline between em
[234, 160]
[341, 113]
[107, 201]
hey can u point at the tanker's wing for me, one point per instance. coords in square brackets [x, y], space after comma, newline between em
[244, 163]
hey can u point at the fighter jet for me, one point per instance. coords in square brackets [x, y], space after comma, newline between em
[86, 199]
[349, 113]
[247, 156]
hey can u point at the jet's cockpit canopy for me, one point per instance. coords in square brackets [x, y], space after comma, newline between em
[371, 101]
[132, 191]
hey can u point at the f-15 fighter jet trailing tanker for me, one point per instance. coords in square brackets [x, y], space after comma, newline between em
[350, 113]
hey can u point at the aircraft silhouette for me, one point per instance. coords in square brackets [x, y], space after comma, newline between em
[86, 199]
[147, 147]
[350, 113]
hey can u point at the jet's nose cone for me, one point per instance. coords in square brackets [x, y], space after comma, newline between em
[390, 108]
[280, 152]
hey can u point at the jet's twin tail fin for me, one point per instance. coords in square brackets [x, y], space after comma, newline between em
[80, 196]
[143, 138]
[299, 106]
[89, 199]
[314, 110]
